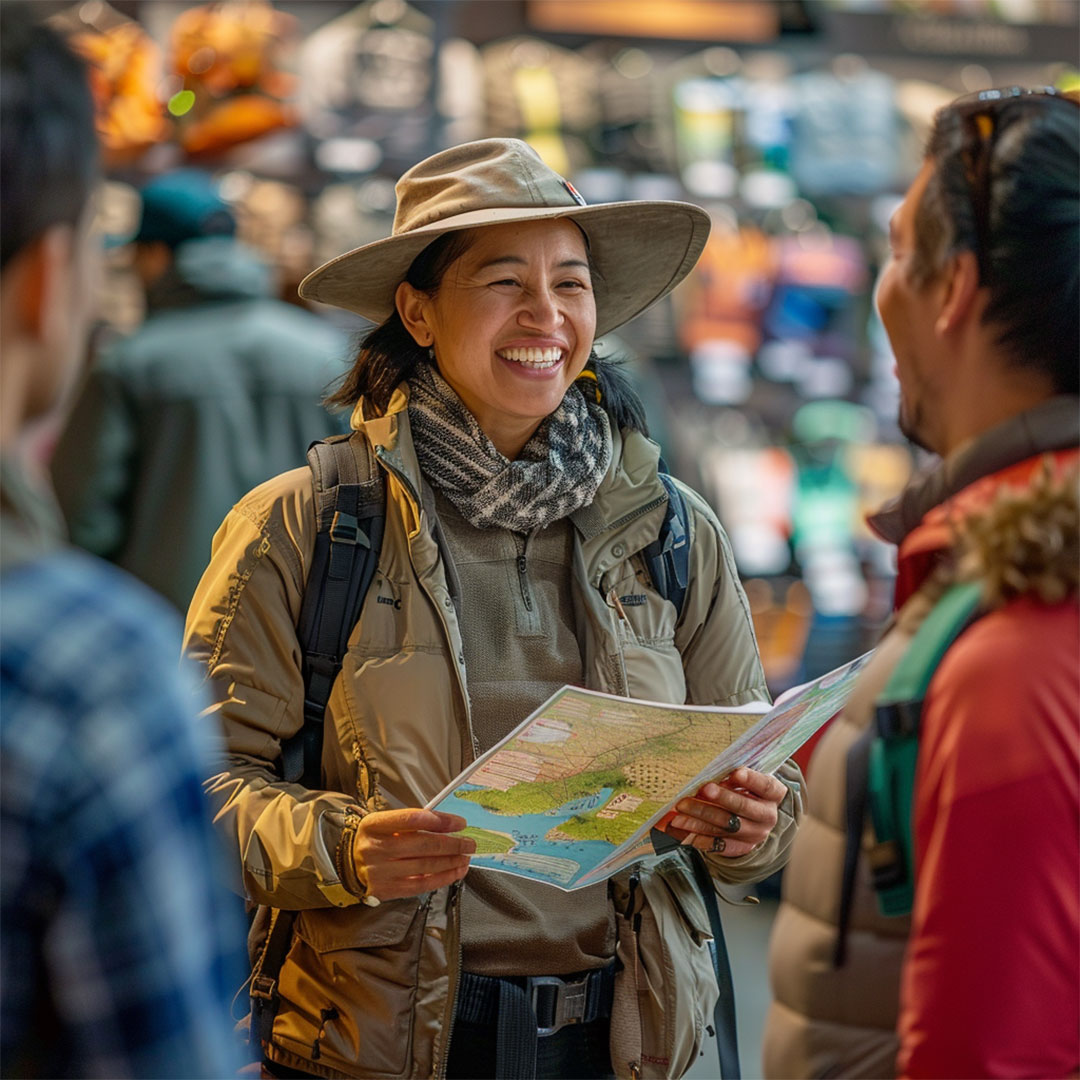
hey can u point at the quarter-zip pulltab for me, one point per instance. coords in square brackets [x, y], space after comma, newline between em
[523, 574]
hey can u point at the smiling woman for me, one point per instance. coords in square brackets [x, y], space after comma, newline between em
[521, 490]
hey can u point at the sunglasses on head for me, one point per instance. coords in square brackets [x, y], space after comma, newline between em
[980, 112]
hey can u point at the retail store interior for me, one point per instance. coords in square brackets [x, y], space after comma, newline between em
[797, 124]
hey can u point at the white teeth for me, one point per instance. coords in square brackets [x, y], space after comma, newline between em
[536, 358]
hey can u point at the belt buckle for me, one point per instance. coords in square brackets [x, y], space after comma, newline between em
[570, 1000]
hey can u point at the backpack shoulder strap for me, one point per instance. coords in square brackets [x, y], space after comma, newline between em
[667, 558]
[350, 514]
[727, 1040]
[894, 750]
[881, 763]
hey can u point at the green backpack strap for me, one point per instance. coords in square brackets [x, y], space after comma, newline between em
[894, 747]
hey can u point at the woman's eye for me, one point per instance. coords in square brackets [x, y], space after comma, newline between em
[504, 281]
[571, 284]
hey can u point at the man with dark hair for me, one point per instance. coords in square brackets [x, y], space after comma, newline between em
[117, 951]
[217, 391]
[981, 302]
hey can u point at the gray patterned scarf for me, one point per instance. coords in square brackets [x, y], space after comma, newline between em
[558, 470]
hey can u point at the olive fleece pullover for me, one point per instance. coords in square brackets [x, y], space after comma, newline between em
[521, 645]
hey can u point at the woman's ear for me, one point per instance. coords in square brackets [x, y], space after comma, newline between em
[411, 305]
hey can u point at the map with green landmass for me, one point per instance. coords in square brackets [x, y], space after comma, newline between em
[572, 793]
[585, 775]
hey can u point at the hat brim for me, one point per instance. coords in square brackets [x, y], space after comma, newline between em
[640, 251]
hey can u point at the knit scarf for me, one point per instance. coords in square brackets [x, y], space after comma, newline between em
[558, 470]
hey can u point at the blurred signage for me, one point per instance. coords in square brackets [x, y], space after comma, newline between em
[716, 20]
[926, 34]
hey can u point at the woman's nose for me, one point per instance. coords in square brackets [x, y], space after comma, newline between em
[540, 309]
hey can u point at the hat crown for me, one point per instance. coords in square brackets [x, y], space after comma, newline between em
[490, 174]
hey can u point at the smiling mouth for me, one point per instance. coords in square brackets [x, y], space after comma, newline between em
[536, 359]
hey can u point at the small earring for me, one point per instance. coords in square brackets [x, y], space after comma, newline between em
[431, 354]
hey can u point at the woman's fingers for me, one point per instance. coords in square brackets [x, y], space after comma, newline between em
[763, 785]
[712, 841]
[730, 817]
[406, 852]
[412, 819]
[412, 845]
[409, 877]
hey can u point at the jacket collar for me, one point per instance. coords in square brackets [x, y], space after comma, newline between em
[1052, 425]
[391, 438]
[628, 508]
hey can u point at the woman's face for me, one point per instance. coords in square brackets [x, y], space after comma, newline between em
[512, 324]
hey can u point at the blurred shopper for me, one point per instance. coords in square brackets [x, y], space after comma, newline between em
[519, 492]
[113, 954]
[980, 302]
[218, 390]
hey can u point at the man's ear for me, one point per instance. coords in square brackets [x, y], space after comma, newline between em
[37, 280]
[961, 288]
[410, 303]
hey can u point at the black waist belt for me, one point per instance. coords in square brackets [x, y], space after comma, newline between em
[529, 1007]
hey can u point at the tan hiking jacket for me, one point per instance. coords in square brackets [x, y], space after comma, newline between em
[369, 991]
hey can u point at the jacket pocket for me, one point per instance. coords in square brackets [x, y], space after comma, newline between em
[665, 988]
[348, 987]
[654, 671]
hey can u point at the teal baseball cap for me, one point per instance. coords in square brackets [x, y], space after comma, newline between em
[183, 205]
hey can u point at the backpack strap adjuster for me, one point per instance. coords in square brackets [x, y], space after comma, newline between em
[887, 866]
[263, 987]
[345, 529]
[899, 719]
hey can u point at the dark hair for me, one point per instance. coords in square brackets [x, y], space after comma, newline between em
[388, 355]
[49, 158]
[1006, 186]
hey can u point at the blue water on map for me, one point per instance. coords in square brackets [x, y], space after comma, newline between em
[529, 830]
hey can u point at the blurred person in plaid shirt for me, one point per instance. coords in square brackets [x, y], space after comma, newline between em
[119, 954]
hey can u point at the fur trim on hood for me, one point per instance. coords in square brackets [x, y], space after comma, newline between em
[1026, 541]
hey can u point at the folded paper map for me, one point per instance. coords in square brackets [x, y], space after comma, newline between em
[571, 794]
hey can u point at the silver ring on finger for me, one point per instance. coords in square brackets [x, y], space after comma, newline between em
[734, 823]
[718, 844]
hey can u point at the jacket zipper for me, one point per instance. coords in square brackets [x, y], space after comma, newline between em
[634, 514]
[523, 572]
[455, 979]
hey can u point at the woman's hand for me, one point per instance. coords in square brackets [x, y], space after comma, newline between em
[729, 817]
[407, 852]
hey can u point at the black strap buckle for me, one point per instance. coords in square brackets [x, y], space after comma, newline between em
[557, 1002]
[263, 987]
[887, 867]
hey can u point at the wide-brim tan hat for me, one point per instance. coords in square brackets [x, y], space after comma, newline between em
[640, 250]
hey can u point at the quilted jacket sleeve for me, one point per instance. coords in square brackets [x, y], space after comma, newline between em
[241, 630]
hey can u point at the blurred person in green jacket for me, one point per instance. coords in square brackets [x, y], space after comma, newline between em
[218, 390]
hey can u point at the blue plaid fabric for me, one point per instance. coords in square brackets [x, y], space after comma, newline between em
[120, 951]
